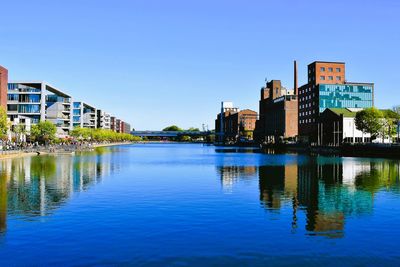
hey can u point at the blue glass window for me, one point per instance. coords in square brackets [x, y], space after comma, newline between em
[345, 96]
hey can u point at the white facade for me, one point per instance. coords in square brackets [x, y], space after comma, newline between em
[350, 131]
[30, 102]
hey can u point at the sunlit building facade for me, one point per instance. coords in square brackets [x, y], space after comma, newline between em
[84, 115]
[29, 103]
[327, 88]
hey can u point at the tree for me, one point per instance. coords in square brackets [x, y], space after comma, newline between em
[19, 131]
[173, 128]
[192, 129]
[44, 131]
[370, 121]
[390, 121]
[101, 135]
[3, 123]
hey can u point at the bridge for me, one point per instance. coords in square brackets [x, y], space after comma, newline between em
[170, 133]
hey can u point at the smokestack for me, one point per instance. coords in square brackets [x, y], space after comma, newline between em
[295, 77]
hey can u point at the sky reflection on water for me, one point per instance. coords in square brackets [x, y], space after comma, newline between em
[198, 205]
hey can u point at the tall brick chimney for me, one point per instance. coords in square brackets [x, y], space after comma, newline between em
[3, 87]
[295, 78]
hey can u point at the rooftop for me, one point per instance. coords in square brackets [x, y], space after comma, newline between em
[343, 111]
[332, 62]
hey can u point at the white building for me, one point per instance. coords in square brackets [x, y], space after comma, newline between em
[29, 102]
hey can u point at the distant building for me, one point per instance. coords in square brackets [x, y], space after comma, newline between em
[113, 123]
[3, 87]
[31, 102]
[125, 127]
[231, 124]
[327, 88]
[103, 120]
[84, 115]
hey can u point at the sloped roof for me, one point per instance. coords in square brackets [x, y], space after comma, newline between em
[343, 111]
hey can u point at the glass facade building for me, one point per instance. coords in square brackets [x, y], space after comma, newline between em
[345, 96]
[39, 101]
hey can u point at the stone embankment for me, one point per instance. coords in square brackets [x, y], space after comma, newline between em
[54, 149]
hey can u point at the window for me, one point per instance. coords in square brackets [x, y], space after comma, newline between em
[322, 68]
[330, 69]
[330, 78]
[338, 78]
[322, 78]
[338, 70]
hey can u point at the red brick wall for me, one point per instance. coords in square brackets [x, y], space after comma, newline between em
[3, 87]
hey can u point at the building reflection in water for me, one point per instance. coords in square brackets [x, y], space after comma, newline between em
[325, 189]
[35, 186]
[231, 174]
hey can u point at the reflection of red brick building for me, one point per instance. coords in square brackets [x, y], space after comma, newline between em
[3, 87]
[236, 124]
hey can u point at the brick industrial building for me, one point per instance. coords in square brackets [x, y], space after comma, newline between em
[327, 88]
[3, 87]
[233, 124]
[278, 108]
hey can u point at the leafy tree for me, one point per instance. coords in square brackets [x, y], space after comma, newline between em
[4, 125]
[172, 128]
[19, 130]
[390, 121]
[185, 138]
[102, 135]
[370, 121]
[192, 129]
[44, 131]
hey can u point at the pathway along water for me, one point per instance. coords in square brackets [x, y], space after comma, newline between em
[188, 204]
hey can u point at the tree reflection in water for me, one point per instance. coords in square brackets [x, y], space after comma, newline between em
[326, 189]
[35, 186]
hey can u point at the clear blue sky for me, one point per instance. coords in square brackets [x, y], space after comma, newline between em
[157, 63]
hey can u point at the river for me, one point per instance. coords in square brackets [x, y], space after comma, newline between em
[195, 205]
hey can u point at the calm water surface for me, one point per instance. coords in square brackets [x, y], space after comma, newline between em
[194, 205]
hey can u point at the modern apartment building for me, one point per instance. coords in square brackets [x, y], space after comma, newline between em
[31, 102]
[3, 87]
[84, 115]
[118, 125]
[125, 127]
[327, 88]
[103, 119]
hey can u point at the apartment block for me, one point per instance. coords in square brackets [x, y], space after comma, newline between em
[31, 102]
[118, 125]
[125, 127]
[3, 87]
[84, 115]
[327, 87]
[103, 120]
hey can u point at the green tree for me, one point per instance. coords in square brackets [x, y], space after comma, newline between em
[370, 121]
[4, 125]
[192, 129]
[44, 132]
[390, 120]
[19, 131]
[172, 128]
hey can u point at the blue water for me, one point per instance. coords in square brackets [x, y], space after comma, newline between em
[195, 205]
